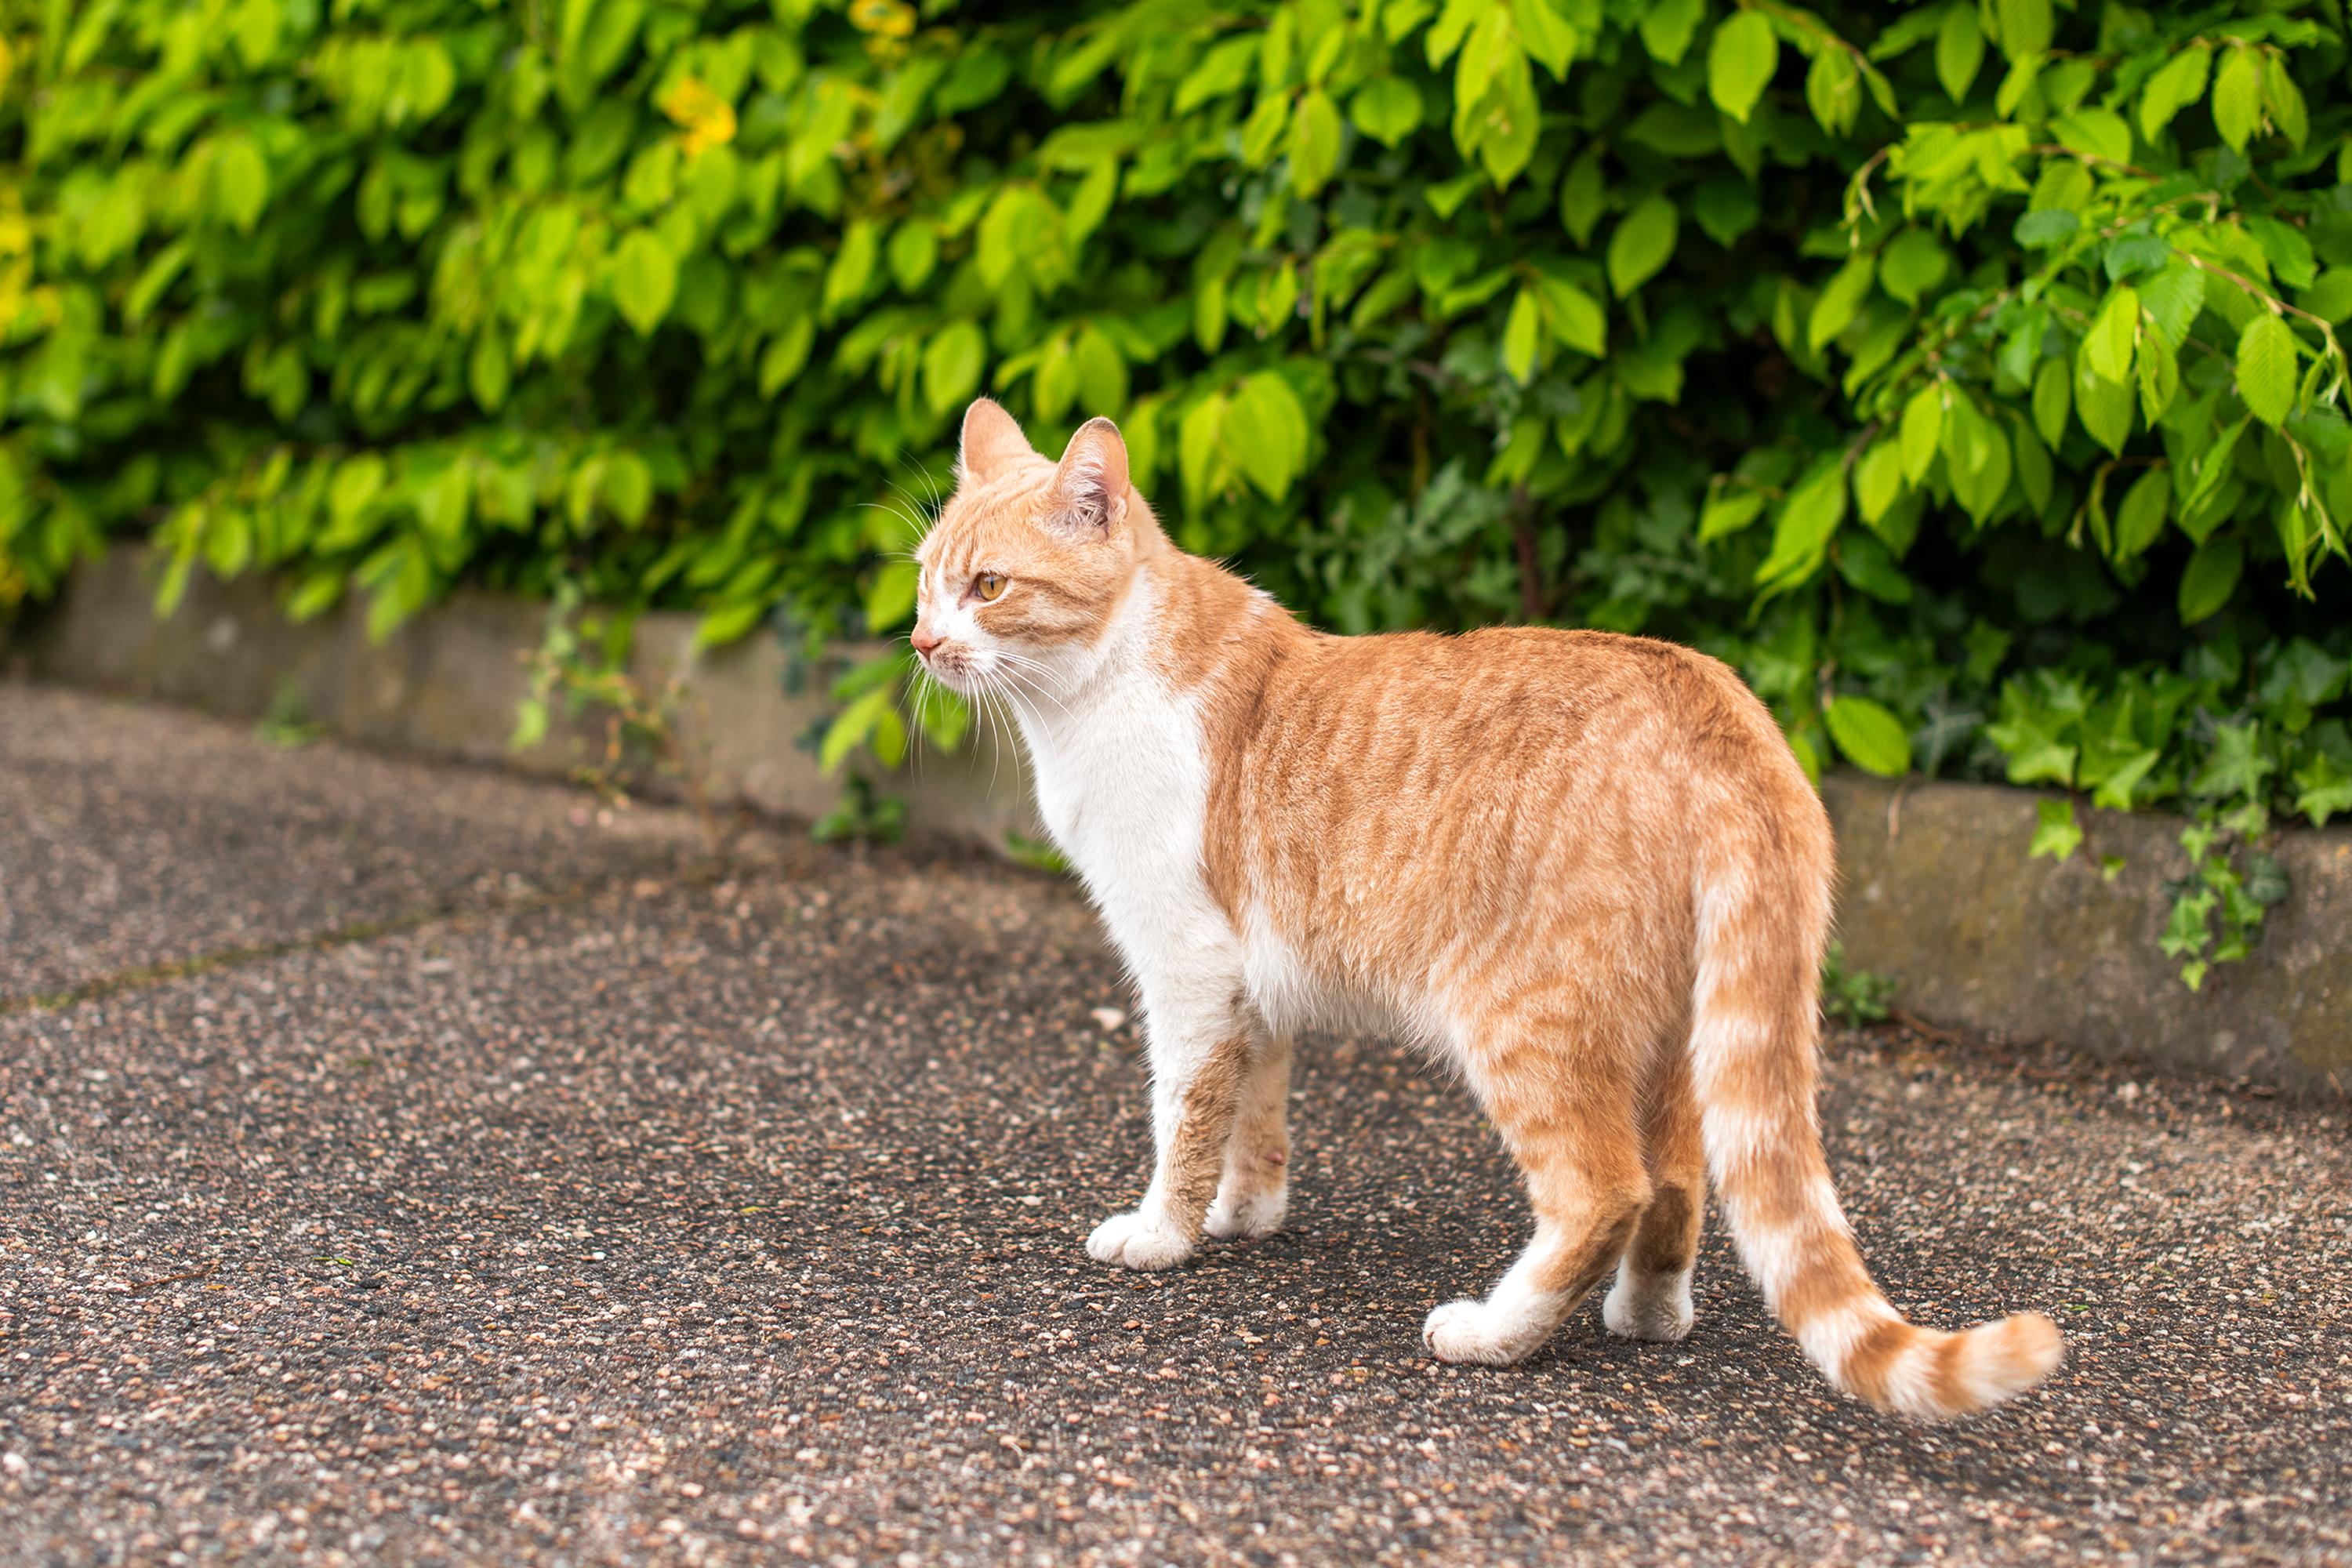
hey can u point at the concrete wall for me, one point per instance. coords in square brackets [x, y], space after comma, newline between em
[1935, 886]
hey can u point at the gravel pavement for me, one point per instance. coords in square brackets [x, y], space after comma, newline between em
[411, 1165]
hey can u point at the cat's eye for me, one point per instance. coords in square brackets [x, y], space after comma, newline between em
[987, 585]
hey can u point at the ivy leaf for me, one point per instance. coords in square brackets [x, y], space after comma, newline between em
[2211, 578]
[1643, 241]
[1741, 61]
[2266, 369]
[2055, 833]
[1959, 50]
[1872, 738]
[2323, 789]
[645, 280]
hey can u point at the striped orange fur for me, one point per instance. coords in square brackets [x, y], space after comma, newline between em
[1585, 869]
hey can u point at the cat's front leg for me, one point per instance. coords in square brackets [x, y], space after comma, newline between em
[1199, 1061]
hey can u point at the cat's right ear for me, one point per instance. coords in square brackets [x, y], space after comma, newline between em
[992, 442]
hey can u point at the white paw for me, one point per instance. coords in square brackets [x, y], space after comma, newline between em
[1247, 1218]
[1134, 1240]
[1660, 1313]
[1656, 1309]
[1476, 1332]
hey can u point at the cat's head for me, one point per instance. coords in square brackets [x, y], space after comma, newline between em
[1030, 558]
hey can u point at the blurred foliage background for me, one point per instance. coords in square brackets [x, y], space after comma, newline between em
[1966, 373]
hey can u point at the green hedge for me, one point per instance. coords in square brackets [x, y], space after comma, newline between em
[1966, 374]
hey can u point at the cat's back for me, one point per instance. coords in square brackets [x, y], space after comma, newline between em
[1425, 707]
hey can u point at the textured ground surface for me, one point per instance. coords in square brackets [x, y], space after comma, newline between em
[654, 1217]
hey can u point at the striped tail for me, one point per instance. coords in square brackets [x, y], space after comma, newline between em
[1753, 1070]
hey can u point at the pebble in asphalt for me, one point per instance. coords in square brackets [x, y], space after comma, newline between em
[738, 1218]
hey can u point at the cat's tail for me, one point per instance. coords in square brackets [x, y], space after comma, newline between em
[1753, 1068]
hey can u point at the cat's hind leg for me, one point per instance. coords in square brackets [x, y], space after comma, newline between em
[1254, 1193]
[1651, 1298]
[1559, 1094]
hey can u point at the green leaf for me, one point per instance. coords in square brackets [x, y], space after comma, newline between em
[489, 372]
[2283, 101]
[1548, 37]
[2025, 26]
[2238, 96]
[1872, 738]
[1844, 295]
[2047, 226]
[2211, 577]
[1922, 430]
[240, 182]
[1879, 479]
[2053, 400]
[1727, 511]
[2179, 83]
[1583, 196]
[2055, 833]
[890, 597]
[1200, 453]
[1959, 50]
[2108, 344]
[1578, 321]
[1388, 110]
[1667, 27]
[2159, 377]
[2172, 299]
[1808, 518]
[1267, 432]
[2266, 370]
[1523, 337]
[1314, 143]
[1741, 61]
[914, 252]
[952, 362]
[1643, 242]
[645, 280]
[1834, 90]
[2105, 406]
[2140, 519]
[1913, 264]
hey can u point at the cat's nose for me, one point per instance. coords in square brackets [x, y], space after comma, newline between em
[926, 641]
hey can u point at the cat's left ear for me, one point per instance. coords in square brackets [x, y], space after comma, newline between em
[1090, 485]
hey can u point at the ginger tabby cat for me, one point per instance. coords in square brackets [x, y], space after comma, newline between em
[1584, 870]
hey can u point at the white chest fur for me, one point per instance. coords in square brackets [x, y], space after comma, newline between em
[1123, 786]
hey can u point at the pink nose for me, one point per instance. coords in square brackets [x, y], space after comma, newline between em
[926, 641]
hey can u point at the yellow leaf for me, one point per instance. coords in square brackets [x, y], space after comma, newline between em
[709, 119]
[891, 18]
